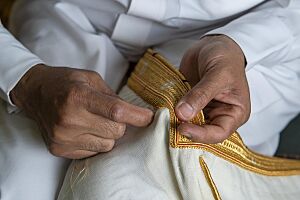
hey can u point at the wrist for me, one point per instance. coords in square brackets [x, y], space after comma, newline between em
[27, 85]
[239, 51]
[232, 44]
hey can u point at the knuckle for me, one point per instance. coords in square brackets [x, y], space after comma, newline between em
[227, 134]
[113, 130]
[91, 145]
[73, 94]
[200, 97]
[203, 98]
[116, 111]
[222, 133]
[76, 94]
[99, 145]
[219, 140]
[77, 75]
[183, 128]
[238, 111]
[120, 130]
[222, 136]
[108, 146]
[244, 113]
[54, 149]
[57, 135]
[94, 75]
[63, 121]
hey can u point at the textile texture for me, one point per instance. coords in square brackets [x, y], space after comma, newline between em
[146, 164]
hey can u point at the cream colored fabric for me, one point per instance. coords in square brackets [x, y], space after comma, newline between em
[143, 166]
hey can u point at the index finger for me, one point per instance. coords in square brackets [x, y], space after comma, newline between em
[216, 131]
[115, 109]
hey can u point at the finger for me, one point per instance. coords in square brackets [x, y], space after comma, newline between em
[69, 152]
[99, 126]
[93, 143]
[200, 95]
[118, 110]
[210, 106]
[87, 144]
[84, 141]
[236, 112]
[80, 154]
[214, 104]
[106, 128]
[217, 131]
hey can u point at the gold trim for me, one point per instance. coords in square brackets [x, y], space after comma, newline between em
[209, 179]
[161, 85]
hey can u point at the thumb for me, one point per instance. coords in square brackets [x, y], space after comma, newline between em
[198, 97]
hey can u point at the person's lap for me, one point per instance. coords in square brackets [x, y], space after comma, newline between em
[27, 169]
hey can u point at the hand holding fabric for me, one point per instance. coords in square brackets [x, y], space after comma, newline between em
[78, 114]
[215, 67]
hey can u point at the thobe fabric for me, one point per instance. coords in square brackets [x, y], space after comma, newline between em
[105, 35]
[156, 162]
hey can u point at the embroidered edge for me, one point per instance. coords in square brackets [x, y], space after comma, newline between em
[161, 85]
[209, 179]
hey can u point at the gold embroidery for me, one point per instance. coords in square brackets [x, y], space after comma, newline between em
[209, 179]
[161, 85]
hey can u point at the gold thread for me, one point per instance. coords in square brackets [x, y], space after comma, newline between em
[161, 85]
[209, 179]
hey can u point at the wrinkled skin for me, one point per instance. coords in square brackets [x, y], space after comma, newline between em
[78, 114]
[215, 67]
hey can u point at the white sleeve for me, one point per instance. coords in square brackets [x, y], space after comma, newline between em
[270, 28]
[269, 36]
[15, 61]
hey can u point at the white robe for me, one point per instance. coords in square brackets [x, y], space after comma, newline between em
[103, 35]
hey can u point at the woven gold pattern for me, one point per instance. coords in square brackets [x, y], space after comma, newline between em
[209, 179]
[161, 85]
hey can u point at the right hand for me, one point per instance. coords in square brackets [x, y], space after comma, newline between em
[78, 114]
[215, 67]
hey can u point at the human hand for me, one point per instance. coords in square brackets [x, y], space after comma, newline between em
[215, 67]
[78, 114]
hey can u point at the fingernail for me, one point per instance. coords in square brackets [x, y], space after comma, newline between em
[186, 110]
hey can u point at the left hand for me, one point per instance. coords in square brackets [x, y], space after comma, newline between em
[78, 114]
[215, 67]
